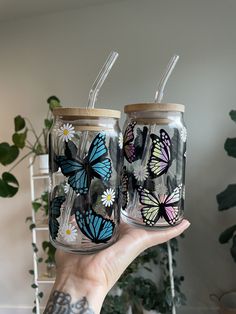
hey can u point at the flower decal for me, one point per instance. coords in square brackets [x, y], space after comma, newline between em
[183, 134]
[120, 140]
[141, 173]
[68, 233]
[161, 189]
[108, 197]
[66, 132]
[66, 188]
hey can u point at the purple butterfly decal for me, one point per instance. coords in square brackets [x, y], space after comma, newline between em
[129, 149]
[162, 206]
[160, 159]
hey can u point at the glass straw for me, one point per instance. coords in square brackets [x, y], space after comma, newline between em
[93, 93]
[162, 83]
[158, 97]
[97, 84]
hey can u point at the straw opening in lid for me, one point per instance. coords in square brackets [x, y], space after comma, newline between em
[86, 112]
[154, 107]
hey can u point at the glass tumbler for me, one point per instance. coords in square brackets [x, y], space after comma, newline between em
[153, 177]
[85, 161]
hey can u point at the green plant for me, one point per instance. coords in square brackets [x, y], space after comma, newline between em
[140, 292]
[41, 203]
[39, 260]
[24, 136]
[50, 250]
[227, 198]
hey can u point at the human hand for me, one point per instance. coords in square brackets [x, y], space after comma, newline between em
[92, 276]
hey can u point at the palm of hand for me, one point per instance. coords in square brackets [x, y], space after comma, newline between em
[105, 267]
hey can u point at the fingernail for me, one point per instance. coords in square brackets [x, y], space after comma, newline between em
[186, 223]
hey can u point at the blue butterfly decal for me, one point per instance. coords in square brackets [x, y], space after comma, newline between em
[94, 226]
[94, 164]
[54, 213]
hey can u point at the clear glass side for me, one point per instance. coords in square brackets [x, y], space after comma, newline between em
[86, 184]
[155, 171]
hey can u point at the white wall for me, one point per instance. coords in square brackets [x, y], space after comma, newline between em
[62, 53]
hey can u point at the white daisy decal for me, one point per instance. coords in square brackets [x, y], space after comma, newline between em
[68, 233]
[161, 189]
[66, 188]
[108, 197]
[141, 173]
[120, 140]
[183, 134]
[66, 132]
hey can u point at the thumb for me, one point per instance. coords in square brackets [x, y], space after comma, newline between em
[161, 236]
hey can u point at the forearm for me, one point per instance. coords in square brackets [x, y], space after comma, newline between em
[75, 296]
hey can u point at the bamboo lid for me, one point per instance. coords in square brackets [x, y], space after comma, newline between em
[153, 107]
[86, 112]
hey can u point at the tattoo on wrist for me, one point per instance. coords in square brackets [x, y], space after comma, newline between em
[60, 303]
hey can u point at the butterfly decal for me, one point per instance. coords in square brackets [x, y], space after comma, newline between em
[124, 189]
[161, 155]
[162, 206]
[128, 145]
[81, 172]
[54, 213]
[94, 226]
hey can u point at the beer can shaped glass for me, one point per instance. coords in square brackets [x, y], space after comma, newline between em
[153, 177]
[85, 167]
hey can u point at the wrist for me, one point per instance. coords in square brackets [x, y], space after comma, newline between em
[79, 289]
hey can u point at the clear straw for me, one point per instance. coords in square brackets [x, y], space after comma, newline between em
[91, 102]
[158, 97]
[162, 83]
[97, 84]
[101, 78]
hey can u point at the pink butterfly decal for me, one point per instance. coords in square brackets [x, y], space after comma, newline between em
[129, 149]
[162, 206]
[160, 159]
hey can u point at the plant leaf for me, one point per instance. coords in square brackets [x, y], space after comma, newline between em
[8, 153]
[230, 147]
[19, 139]
[19, 123]
[53, 102]
[34, 286]
[36, 206]
[32, 226]
[227, 198]
[8, 185]
[48, 123]
[233, 115]
[227, 234]
[27, 219]
[40, 295]
[45, 245]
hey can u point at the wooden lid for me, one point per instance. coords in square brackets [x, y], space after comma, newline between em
[86, 112]
[153, 107]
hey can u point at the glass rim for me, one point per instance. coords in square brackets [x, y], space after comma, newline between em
[86, 112]
[165, 107]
